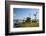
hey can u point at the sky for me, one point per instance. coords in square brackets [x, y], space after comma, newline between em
[22, 13]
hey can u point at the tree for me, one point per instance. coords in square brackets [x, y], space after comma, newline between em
[28, 19]
[35, 16]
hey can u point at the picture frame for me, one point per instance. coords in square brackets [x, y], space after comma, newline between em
[9, 29]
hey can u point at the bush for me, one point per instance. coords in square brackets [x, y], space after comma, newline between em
[34, 21]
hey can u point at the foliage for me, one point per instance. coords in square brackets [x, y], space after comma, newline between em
[34, 21]
[28, 19]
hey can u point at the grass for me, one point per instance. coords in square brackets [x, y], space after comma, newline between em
[28, 24]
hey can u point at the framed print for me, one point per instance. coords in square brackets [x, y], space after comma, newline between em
[24, 17]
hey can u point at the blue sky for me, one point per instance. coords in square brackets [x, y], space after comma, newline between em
[22, 13]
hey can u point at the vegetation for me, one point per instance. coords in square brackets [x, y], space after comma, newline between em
[27, 23]
[28, 19]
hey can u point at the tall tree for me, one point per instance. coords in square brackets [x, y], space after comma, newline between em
[35, 15]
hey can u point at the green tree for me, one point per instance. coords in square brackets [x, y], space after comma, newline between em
[28, 19]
